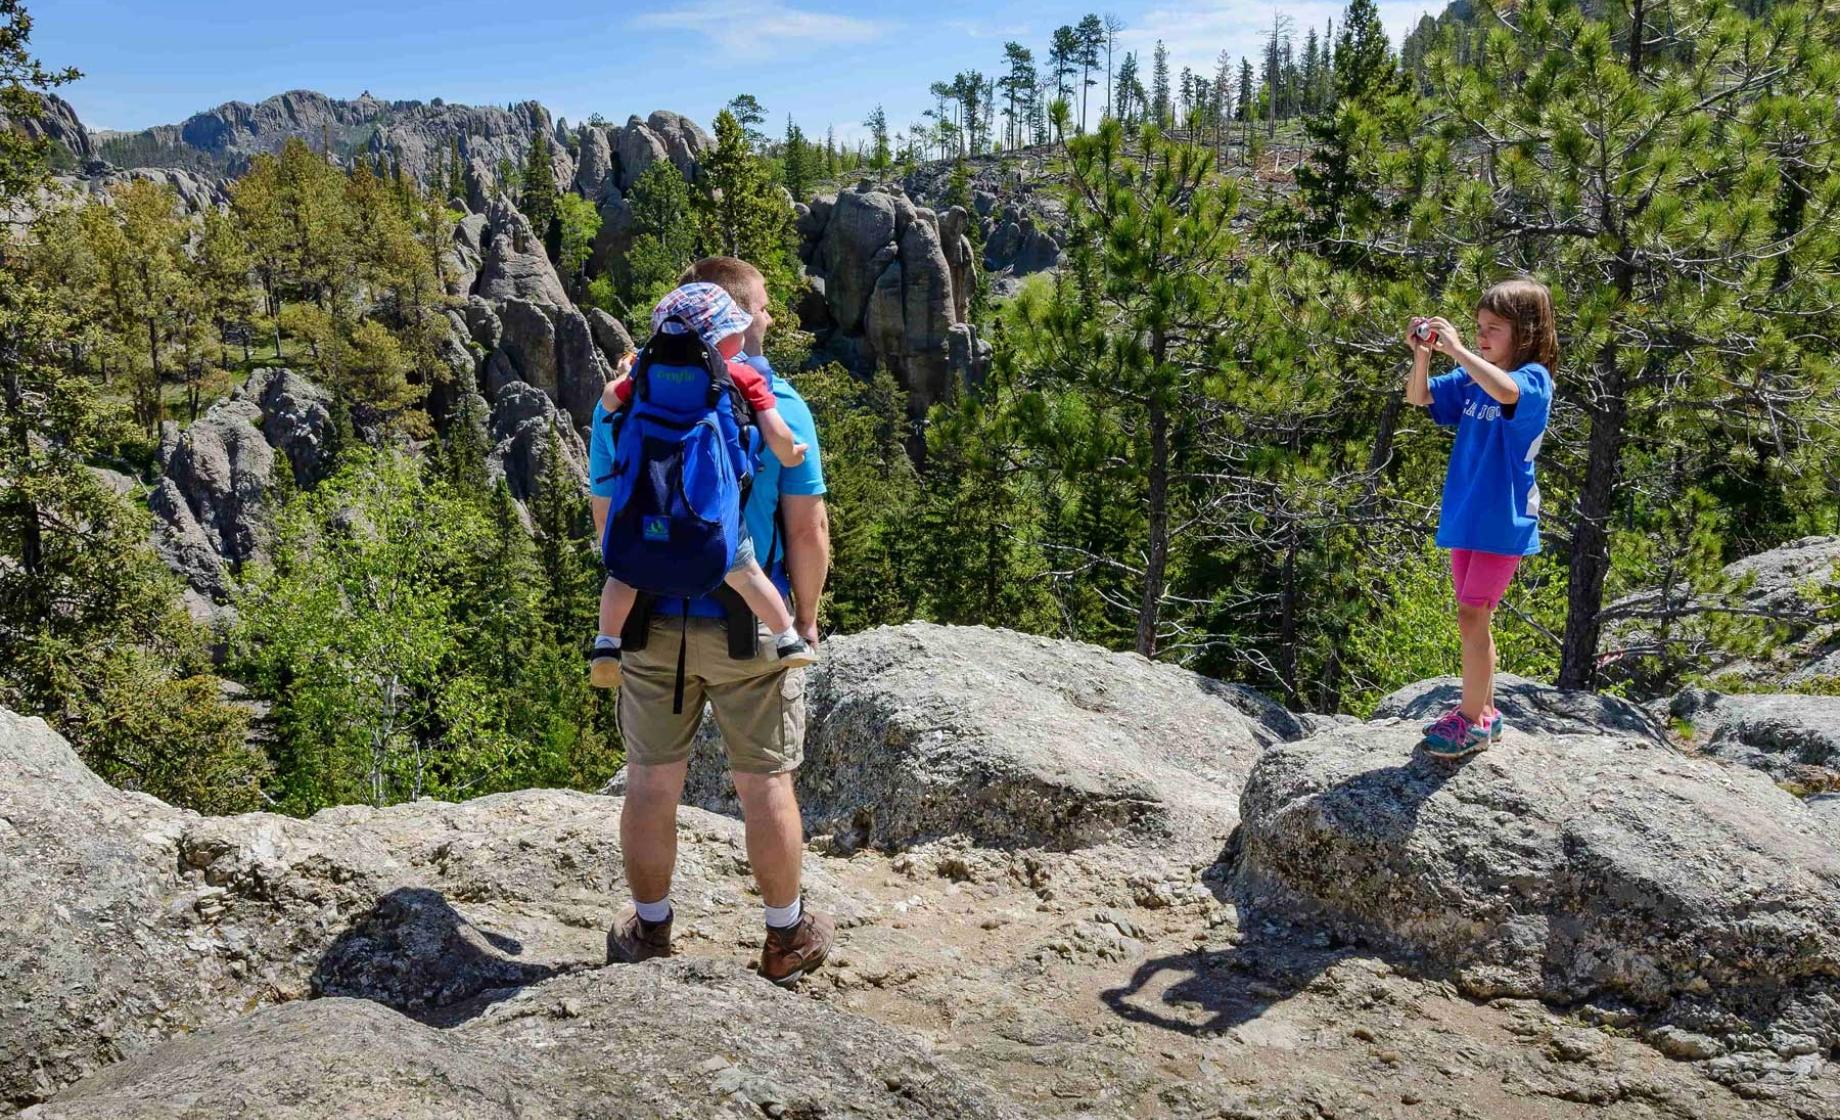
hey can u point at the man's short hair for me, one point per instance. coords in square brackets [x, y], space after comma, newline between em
[732, 274]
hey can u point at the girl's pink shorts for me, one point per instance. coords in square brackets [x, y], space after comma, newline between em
[1481, 578]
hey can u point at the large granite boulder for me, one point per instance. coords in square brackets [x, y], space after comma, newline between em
[920, 731]
[679, 1040]
[896, 282]
[1787, 736]
[1529, 706]
[522, 424]
[130, 921]
[861, 223]
[594, 167]
[540, 338]
[515, 265]
[297, 421]
[1698, 900]
[222, 466]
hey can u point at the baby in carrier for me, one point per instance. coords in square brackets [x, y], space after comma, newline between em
[710, 313]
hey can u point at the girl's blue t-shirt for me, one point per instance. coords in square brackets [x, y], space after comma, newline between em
[1491, 501]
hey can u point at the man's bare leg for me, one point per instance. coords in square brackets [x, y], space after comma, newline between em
[648, 828]
[775, 834]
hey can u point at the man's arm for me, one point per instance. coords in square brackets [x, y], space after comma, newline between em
[599, 505]
[808, 558]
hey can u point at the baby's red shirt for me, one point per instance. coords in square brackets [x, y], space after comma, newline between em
[748, 381]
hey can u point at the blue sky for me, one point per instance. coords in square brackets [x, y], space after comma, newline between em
[152, 62]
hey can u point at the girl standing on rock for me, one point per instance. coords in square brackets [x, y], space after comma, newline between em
[1497, 400]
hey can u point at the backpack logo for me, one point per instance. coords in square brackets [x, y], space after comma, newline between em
[657, 528]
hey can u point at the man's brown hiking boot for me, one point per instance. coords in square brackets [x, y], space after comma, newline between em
[791, 953]
[632, 940]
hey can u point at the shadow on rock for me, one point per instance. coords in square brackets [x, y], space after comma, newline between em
[1208, 991]
[414, 952]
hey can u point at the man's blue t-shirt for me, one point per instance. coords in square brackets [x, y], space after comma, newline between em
[1491, 501]
[770, 481]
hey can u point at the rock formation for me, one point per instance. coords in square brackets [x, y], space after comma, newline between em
[56, 122]
[522, 421]
[1375, 940]
[896, 282]
[211, 500]
[1529, 706]
[1790, 737]
[524, 319]
[1696, 900]
[420, 134]
[921, 732]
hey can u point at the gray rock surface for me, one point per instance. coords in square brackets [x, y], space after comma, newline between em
[896, 282]
[420, 134]
[1564, 868]
[523, 418]
[677, 1041]
[609, 334]
[223, 466]
[515, 265]
[1782, 583]
[56, 122]
[920, 731]
[296, 420]
[1787, 736]
[1529, 706]
[130, 921]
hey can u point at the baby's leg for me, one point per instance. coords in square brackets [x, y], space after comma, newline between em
[617, 601]
[761, 596]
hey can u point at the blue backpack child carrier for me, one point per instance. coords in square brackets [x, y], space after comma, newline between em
[683, 459]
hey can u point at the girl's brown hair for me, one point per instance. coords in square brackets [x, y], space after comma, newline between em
[1527, 304]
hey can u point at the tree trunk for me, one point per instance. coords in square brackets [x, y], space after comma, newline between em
[1158, 561]
[1287, 618]
[1590, 560]
[31, 533]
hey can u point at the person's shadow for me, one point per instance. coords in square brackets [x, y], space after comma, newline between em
[1207, 991]
[412, 951]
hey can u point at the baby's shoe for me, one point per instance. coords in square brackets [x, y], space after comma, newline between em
[794, 652]
[604, 666]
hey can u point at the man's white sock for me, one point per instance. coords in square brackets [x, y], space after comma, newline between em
[786, 636]
[785, 917]
[653, 912]
[607, 641]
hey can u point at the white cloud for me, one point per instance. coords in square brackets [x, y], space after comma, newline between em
[973, 29]
[1196, 34]
[756, 28]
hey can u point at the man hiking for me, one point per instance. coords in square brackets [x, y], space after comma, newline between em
[679, 654]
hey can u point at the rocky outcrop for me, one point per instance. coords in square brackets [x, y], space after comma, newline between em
[130, 921]
[1783, 584]
[537, 336]
[1697, 900]
[210, 504]
[896, 282]
[523, 419]
[615, 1043]
[920, 732]
[1529, 706]
[422, 135]
[57, 123]
[222, 466]
[196, 192]
[1792, 738]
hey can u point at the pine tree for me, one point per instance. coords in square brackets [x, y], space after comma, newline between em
[1159, 85]
[743, 214]
[664, 237]
[747, 111]
[1090, 36]
[1126, 106]
[538, 200]
[877, 124]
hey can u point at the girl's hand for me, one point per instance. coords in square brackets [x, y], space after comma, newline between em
[1444, 337]
[1417, 345]
[624, 367]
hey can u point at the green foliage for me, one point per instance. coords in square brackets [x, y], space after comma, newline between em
[581, 223]
[742, 212]
[538, 196]
[379, 636]
[664, 242]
